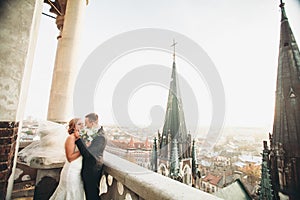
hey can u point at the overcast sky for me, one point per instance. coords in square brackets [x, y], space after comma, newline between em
[240, 37]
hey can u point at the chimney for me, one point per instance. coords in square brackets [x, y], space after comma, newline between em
[224, 178]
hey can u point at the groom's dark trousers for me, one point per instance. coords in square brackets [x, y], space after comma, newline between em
[92, 164]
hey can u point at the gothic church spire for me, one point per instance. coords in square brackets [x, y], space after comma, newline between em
[285, 140]
[174, 119]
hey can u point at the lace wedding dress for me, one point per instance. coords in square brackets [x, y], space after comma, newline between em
[70, 186]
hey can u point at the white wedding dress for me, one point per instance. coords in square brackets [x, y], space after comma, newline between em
[70, 186]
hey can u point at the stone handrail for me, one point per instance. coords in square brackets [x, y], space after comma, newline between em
[125, 180]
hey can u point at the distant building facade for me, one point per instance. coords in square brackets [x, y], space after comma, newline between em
[133, 151]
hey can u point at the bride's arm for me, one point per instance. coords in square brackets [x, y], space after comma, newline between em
[71, 154]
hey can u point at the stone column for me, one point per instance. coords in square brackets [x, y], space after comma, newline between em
[70, 23]
[18, 35]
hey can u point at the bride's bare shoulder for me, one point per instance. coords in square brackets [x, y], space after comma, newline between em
[70, 139]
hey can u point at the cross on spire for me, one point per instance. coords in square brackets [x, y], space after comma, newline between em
[173, 45]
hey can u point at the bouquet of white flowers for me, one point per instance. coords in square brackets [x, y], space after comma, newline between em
[88, 134]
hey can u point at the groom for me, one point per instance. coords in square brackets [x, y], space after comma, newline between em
[92, 161]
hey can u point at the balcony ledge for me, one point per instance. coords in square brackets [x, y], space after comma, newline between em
[148, 184]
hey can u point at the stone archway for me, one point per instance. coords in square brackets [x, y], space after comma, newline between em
[187, 175]
[163, 170]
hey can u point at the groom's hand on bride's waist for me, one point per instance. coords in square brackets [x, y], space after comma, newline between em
[88, 143]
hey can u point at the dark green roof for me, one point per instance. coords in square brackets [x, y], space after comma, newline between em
[174, 119]
[234, 191]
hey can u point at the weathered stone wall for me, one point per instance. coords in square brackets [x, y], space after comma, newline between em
[19, 22]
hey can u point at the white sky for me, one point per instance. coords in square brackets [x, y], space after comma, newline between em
[241, 38]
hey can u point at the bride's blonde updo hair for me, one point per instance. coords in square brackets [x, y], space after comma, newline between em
[72, 125]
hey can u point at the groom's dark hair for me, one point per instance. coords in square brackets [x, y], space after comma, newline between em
[93, 117]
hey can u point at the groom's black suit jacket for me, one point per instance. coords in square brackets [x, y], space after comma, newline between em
[92, 163]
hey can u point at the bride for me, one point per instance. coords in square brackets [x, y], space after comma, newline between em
[70, 186]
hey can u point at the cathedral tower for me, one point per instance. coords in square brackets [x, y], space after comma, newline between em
[174, 144]
[284, 153]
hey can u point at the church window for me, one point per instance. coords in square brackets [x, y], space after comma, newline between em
[292, 93]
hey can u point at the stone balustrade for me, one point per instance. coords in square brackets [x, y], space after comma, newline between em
[125, 180]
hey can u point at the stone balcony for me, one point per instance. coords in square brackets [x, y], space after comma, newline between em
[125, 180]
[121, 179]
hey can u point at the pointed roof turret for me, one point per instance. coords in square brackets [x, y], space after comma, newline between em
[131, 143]
[265, 187]
[174, 118]
[147, 144]
[174, 169]
[154, 156]
[194, 159]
